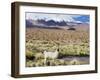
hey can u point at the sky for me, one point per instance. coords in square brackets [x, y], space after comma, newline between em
[58, 17]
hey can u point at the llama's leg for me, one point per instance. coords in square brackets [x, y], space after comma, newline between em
[44, 61]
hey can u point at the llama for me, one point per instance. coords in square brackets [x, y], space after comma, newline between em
[52, 55]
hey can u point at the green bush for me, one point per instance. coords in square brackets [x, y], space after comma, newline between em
[29, 54]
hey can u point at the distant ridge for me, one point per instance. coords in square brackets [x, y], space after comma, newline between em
[49, 23]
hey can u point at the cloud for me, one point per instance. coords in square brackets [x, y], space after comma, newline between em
[58, 17]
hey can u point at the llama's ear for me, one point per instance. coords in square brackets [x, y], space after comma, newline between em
[43, 52]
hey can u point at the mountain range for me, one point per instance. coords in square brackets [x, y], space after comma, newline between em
[52, 24]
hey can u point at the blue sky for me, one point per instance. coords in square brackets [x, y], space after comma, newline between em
[83, 18]
[59, 17]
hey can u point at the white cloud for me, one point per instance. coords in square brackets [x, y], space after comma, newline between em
[56, 17]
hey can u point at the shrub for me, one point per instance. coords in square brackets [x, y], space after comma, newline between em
[29, 55]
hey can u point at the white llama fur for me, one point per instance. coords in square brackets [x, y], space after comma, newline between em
[52, 55]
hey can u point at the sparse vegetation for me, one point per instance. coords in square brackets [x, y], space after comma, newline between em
[70, 43]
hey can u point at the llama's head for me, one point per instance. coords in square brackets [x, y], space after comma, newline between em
[44, 51]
